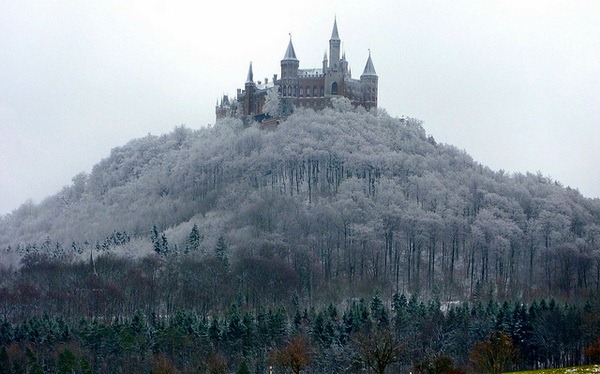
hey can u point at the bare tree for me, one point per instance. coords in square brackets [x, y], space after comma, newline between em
[494, 355]
[294, 355]
[378, 349]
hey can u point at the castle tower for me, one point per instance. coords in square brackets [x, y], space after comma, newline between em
[369, 83]
[249, 100]
[334, 76]
[289, 77]
[334, 47]
[223, 109]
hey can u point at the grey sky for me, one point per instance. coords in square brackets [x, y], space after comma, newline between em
[516, 84]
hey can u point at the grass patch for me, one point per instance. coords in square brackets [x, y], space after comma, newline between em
[571, 370]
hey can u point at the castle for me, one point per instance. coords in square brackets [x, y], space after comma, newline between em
[311, 88]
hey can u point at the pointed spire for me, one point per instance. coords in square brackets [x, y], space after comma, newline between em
[290, 54]
[325, 56]
[369, 68]
[334, 33]
[250, 78]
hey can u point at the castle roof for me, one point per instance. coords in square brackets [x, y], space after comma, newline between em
[369, 68]
[250, 78]
[290, 54]
[334, 33]
[314, 72]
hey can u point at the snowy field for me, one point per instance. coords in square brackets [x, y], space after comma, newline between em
[579, 369]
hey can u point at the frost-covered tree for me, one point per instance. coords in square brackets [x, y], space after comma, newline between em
[272, 104]
[345, 198]
[221, 250]
[194, 239]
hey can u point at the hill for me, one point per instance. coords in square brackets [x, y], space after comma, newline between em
[346, 199]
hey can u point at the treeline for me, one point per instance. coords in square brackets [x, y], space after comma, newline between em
[346, 198]
[204, 312]
[113, 286]
[381, 336]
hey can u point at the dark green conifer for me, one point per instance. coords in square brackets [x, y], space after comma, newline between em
[193, 241]
[4, 362]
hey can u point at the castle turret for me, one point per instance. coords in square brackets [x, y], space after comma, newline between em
[334, 77]
[250, 88]
[223, 109]
[290, 63]
[289, 77]
[250, 76]
[369, 82]
[334, 47]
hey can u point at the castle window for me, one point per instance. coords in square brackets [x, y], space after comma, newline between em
[289, 93]
[307, 91]
[322, 91]
[334, 88]
[301, 91]
[315, 91]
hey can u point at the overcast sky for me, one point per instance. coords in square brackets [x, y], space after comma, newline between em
[514, 83]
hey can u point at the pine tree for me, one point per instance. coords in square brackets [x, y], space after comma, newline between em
[244, 369]
[214, 331]
[399, 306]
[6, 333]
[67, 361]
[19, 368]
[164, 245]
[154, 234]
[155, 240]
[4, 362]
[378, 311]
[194, 239]
[248, 333]
[221, 250]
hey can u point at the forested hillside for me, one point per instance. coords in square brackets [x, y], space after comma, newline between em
[347, 200]
[340, 241]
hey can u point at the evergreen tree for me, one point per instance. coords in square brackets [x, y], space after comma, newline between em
[84, 366]
[19, 368]
[164, 245]
[193, 241]
[6, 333]
[221, 250]
[155, 240]
[244, 369]
[248, 333]
[4, 362]
[154, 234]
[379, 312]
[399, 306]
[214, 331]
[277, 324]
[67, 362]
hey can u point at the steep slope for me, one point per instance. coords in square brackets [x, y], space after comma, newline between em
[344, 196]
